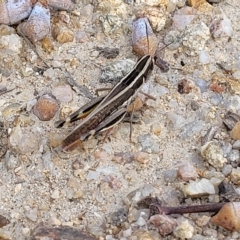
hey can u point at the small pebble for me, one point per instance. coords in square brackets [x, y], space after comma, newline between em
[198, 188]
[138, 194]
[96, 228]
[63, 93]
[148, 143]
[55, 194]
[11, 162]
[100, 155]
[235, 235]
[3, 89]
[120, 216]
[81, 37]
[127, 233]
[17, 188]
[62, 34]
[69, 224]
[110, 237]
[201, 237]
[210, 232]
[156, 17]
[212, 153]
[204, 57]
[92, 175]
[177, 121]
[202, 84]
[54, 221]
[233, 156]
[227, 169]
[235, 175]
[87, 11]
[116, 71]
[78, 194]
[114, 182]
[203, 220]
[183, 17]
[11, 42]
[156, 128]
[187, 171]
[30, 104]
[5, 235]
[46, 108]
[236, 144]
[195, 105]
[141, 157]
[195, 37]
[47, 44]
[184, 231]
[32, 214]
[215, 181]
[26, 231]
[216, 98]
[164, 223]
[145, 235]
[227, 147]
[111, 24]
[61, 5]
[24, 141]
[170, 175]
[173, 38]
[134, 214]
[235, 132]
[141, 222]
[123, 157]
[221, 27]
[185, 86]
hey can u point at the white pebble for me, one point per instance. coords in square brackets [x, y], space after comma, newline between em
[141, 221]
[204, 57]
[55, 194]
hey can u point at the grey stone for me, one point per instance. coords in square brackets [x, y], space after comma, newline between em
[236, 144]
[202, 84]
[119, 217]
[170, 175]
[227, 169]
[215, 99]
[148, 144]
[227, 147]
[233, 156]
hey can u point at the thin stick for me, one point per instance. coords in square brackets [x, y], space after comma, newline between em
[156, 208]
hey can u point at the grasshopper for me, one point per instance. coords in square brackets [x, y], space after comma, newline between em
[105, 112]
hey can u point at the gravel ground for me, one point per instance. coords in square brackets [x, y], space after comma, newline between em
[83, 188]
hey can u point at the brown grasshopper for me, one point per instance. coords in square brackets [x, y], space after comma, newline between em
[106, 111]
